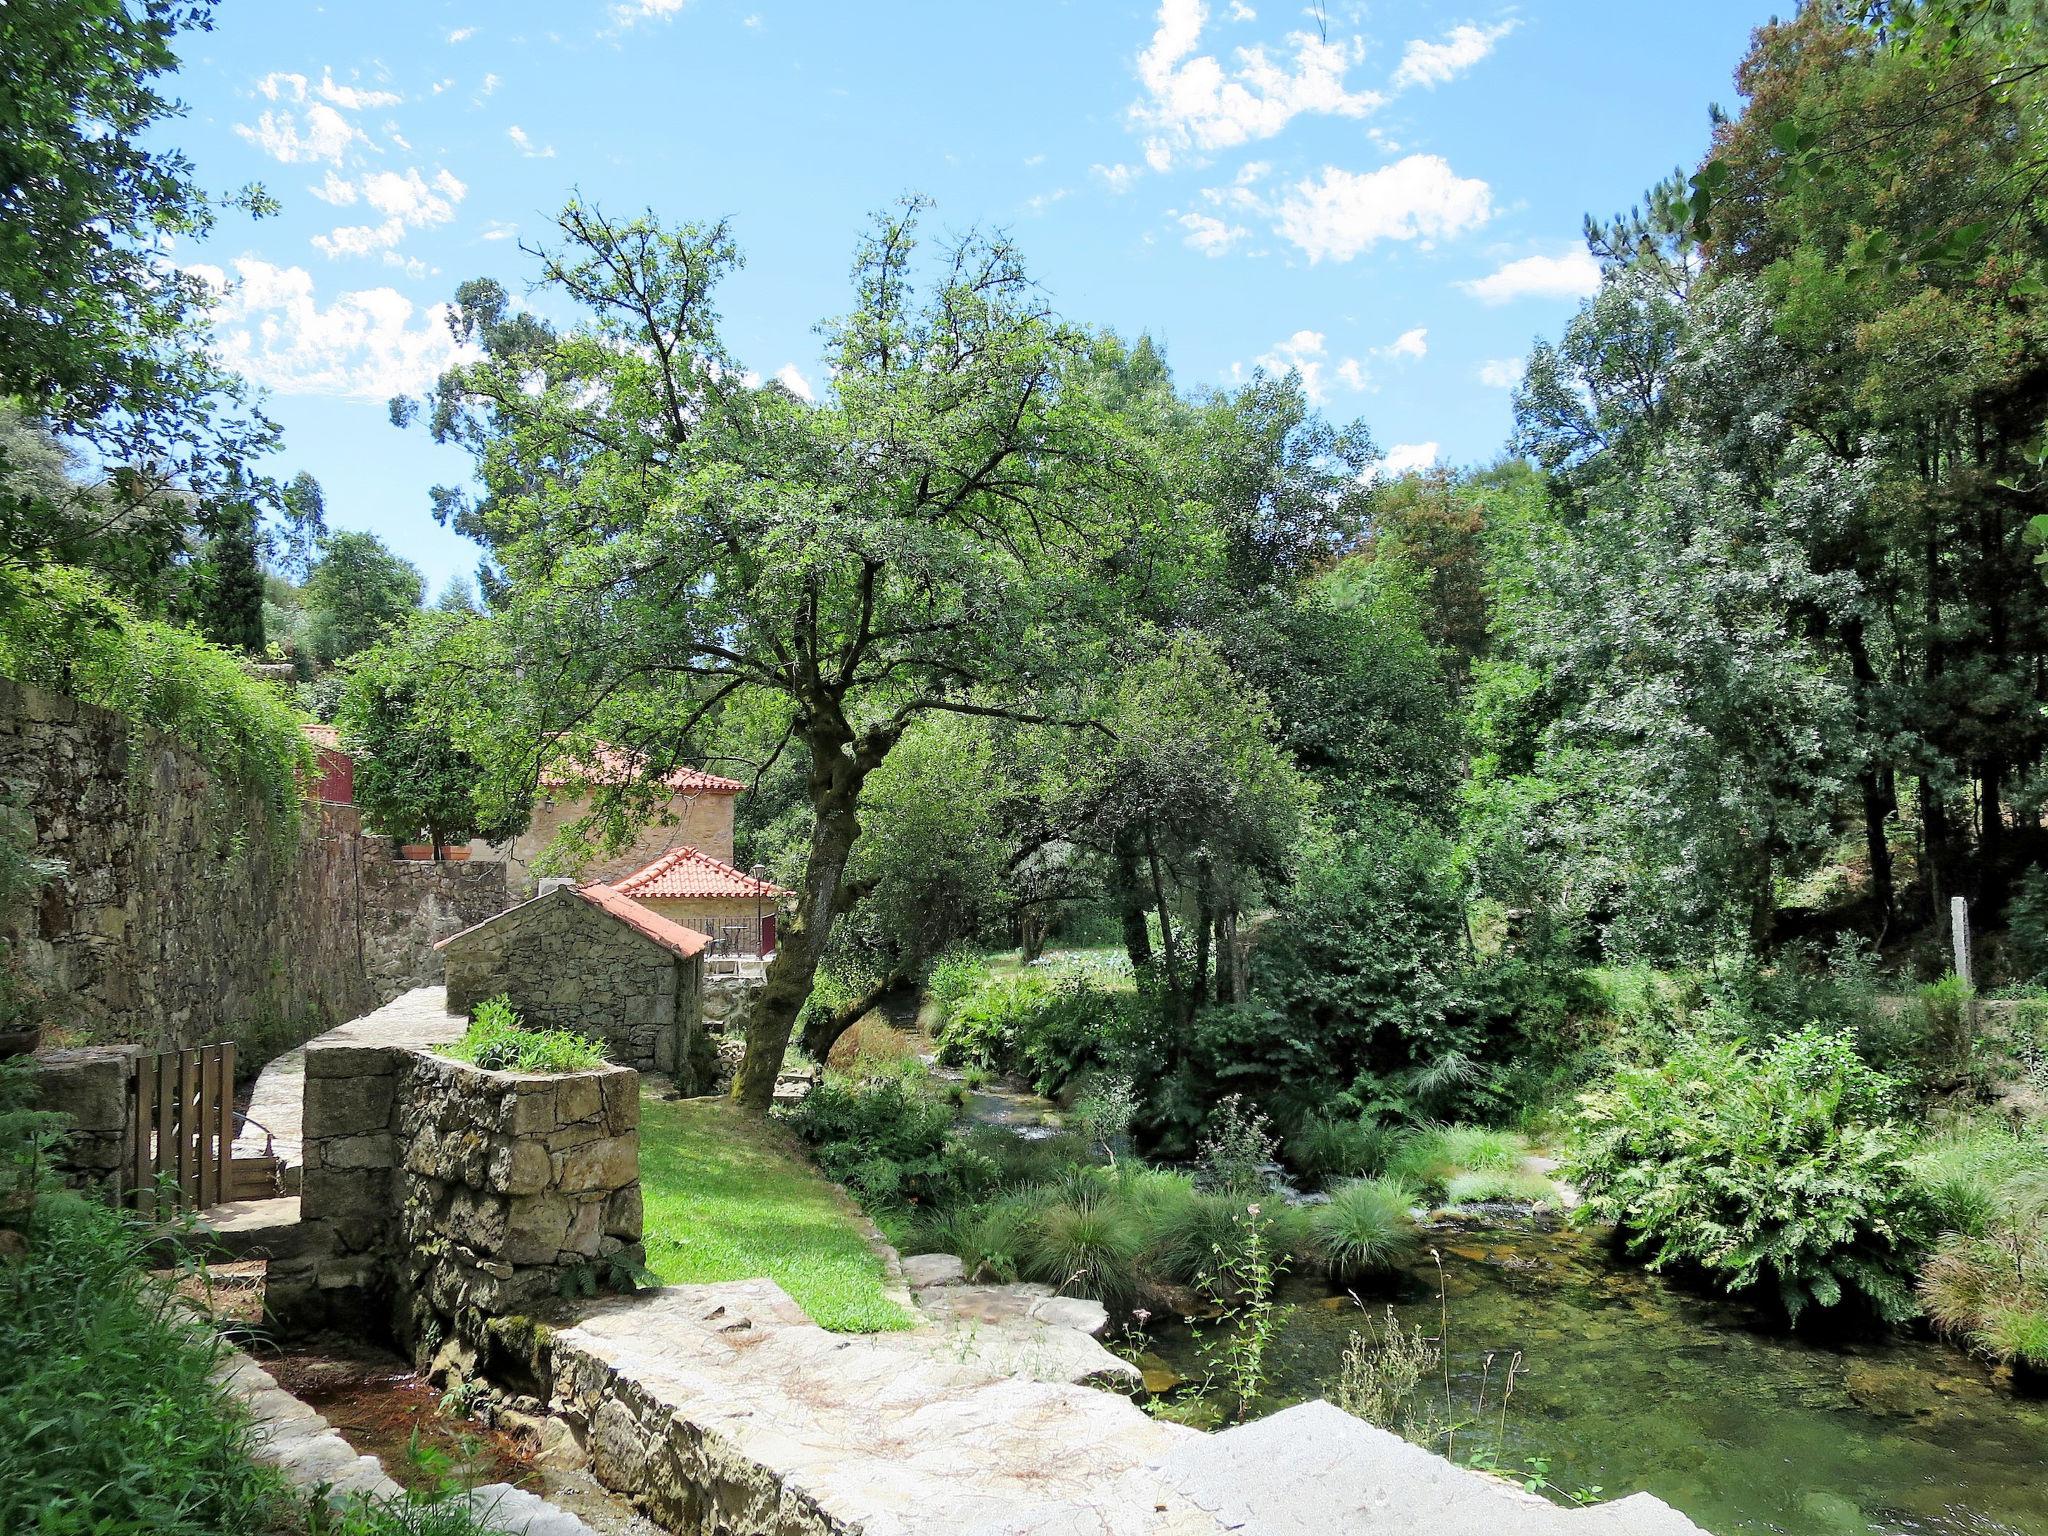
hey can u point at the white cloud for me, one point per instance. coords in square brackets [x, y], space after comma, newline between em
[1346, 212]
[1209, 235]
[353, 98]
[1570, 276]
[1431, 64]
[368, 344]
[280, 86]
[1239, 11]
[461, 34]
[1501, 372]
[1306, 353]
[412, 198]
[491, 83]
[338, 190]
[1119, 177]
[441, 85]
[1044, 200]
[359, 239]
[1413, 343]
[527, 147]
[327, 134]
[1192, 101]
[791, 378]
[1404, 457]
[499, 229]
[1351, 373]
[643, 10]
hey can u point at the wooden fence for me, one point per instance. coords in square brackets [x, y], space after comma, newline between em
[184, 1107]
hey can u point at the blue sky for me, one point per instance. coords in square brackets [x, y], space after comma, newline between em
[1386, 195]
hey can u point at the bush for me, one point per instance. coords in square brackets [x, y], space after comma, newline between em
[1048, 1026]
[1776, 1169]
[887, 1139]
[1365, 1228]
[1514, 1186]
[955, 976]
[498, 1042]
[981, 1028]
[1991, 1289]
[1328, 1146]
[1237, 1149]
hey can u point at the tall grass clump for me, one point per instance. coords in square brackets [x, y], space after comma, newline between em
[498, 1042]
[1365, 1228]
[1434, 1155]
[1087, 1246]
[1327, 1146]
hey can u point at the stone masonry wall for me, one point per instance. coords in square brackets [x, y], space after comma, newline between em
[438, 1196]
[159, 935]
[566, 965]
[89, 1088]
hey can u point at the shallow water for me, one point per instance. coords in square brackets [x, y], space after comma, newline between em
[1628, 1383]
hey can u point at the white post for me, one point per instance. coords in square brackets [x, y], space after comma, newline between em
[1959, 933]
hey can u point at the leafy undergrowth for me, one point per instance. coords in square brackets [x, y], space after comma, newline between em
[729, 1197]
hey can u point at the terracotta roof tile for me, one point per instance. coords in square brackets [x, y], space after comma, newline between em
[613, 765]
[322, 735]
[685, 873]
[664, 931]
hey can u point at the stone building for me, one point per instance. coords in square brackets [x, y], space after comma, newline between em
[696, 813]
[589, 959]
[689, 886]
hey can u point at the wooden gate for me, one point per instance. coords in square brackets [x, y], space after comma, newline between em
[184, 1129]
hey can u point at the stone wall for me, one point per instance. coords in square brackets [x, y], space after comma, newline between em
[89, 1088]
[438, 1197]
[164, 933]
[567, 965]
[698, 821]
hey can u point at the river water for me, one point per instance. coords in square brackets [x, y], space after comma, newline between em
[1626, 1383]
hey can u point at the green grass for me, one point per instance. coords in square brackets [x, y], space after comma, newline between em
[730, 1197]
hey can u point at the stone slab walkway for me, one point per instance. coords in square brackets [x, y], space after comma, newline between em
[723, 1409]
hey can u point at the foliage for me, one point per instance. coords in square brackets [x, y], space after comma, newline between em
[103, 340]
[109, 1416]
[1513, 1186]
[60, 629]
[1329, 1146]
[953, 977]
[409, 773]
[1050, 1025]
[1987, 1282]
[1088, 1244]
[497, 1042]
[1777, 1169]
[356, 593]
[1967, 1172]
[1381, 1372]
[1237, 1150]
[1366, 1227]
[728, 1197]
[1429, 1158]
[887, 1139]
[1249, 1271]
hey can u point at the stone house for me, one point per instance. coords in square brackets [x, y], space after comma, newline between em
[696, 813]
[689, 886]
[589, 959]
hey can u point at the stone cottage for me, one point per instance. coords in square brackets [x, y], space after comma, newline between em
[696, 813]
[589, 959]
[689, 886]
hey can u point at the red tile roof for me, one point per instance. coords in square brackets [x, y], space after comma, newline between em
[664, 931]
[614, 765]
[669, 934]
[322, 735]
[684, 873]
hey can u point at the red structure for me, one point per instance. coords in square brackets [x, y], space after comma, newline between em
[337, 782]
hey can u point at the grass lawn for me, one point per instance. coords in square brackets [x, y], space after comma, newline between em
[729, 1198]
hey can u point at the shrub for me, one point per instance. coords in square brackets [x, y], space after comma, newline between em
[498, 1042]
[1366, 1227]
[1967, 1172]
[872, 1047]
[981, 1029]
[1774, 1169]
[954, 977]
[887, 1139]
[1991, 1289]
[1090, 1247]
[1237, 1149]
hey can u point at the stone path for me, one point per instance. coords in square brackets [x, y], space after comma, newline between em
[278, 1103]
[1019, 1330]
[723, 1408]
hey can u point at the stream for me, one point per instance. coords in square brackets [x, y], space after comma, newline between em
[1626, 1382]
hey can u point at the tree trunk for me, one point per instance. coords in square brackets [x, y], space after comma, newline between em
[824, 1030]
[836, 777]
[1205, 921]
[1131, 904]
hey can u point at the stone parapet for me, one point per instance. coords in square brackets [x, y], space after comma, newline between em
[90, 1088]
[438, 1195]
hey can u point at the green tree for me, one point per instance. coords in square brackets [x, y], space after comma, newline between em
[410, 776]
[953, 530]
[102, 339]
[357, 592]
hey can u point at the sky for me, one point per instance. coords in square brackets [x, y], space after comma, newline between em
[1387, 196]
